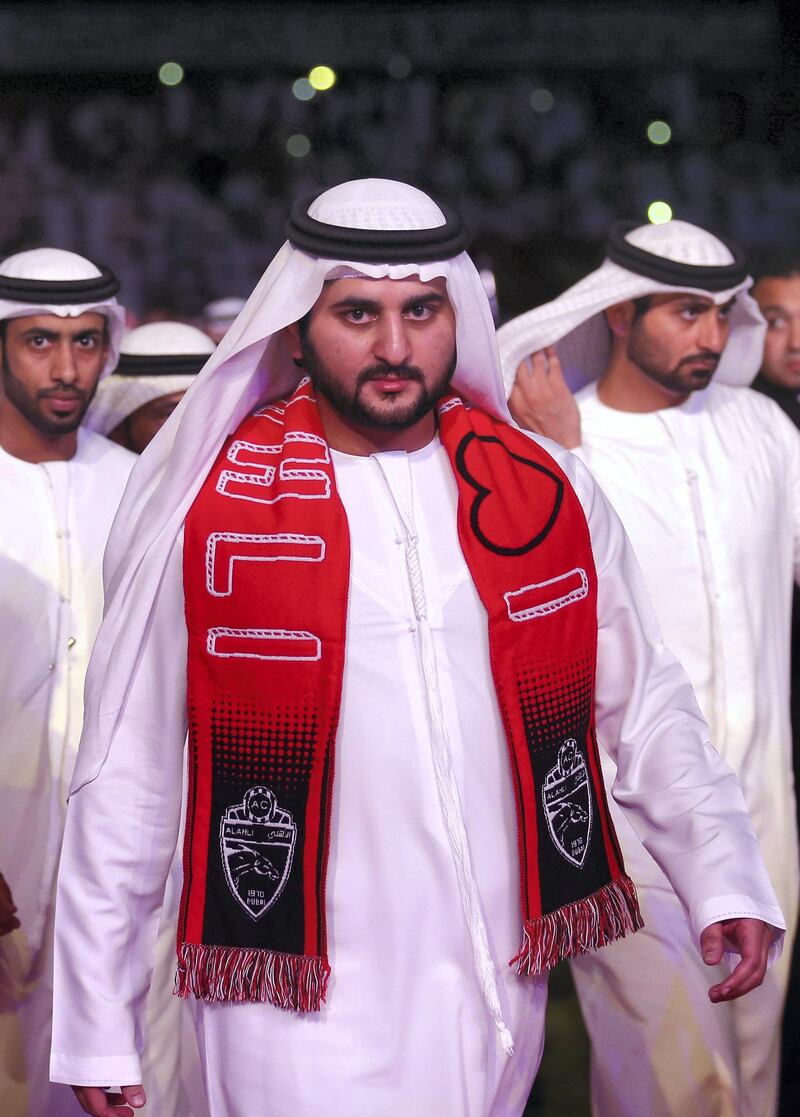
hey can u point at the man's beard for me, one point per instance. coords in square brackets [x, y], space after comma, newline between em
[30, 409]
[646, 354]
[389, 416]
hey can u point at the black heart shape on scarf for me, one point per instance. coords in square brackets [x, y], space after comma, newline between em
[544, 512]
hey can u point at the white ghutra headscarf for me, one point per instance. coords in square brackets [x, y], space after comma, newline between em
[648, 260]
[53, 281]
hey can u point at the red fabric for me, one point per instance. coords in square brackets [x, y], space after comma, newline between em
[266, 572]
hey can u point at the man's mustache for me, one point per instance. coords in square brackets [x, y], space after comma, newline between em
[707, 356]
[63, 392]
[379, 372]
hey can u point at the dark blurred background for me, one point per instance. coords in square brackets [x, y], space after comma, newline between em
[531, 118]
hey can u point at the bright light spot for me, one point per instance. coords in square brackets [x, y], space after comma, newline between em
[171, 73]
[322, 78]
[298, 145]
[398, 67]
[659, 132]
[303, 89]
[658, 213]
[542, 100]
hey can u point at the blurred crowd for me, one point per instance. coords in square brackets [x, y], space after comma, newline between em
[181, 190]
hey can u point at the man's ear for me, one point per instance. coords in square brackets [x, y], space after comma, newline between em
[292, 335]
[619, 318]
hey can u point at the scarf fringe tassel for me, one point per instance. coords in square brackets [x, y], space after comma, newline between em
[297, 982]
[602, 918]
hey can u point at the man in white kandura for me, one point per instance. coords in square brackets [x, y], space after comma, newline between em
[389, 604]
[157, 363]
[705, 475]
[60, 330]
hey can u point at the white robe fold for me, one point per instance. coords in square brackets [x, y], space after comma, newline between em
[405, 1028]
[709, 494]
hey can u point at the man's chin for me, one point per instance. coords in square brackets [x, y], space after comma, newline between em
[693, 381]
[53, 426]
[395, 412]
[393, 418]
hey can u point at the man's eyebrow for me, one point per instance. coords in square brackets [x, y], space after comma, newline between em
[351, 301]
[426, 297]
[356, 302]
[39, 331]
[776, 307]
[52, 335]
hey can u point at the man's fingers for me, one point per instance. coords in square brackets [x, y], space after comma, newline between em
[93, 1100]
[536, 365]
[747, 976]
[711, 944]
[554, 369]
[134, 1095]
[100, 1103]
[751, 938]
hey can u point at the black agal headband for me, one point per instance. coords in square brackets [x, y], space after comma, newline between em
[376, 246]
[673, 273]
[172, 364]
[66, 292]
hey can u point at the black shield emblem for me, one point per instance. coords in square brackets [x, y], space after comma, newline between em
[567, 803]
[257, 840]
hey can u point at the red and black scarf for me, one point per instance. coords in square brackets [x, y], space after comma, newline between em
[266, 574]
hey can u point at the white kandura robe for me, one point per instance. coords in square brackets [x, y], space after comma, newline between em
[709, 493]
[54, 521]
[404, 1029]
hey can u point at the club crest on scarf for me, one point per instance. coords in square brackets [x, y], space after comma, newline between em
[568, 803]
[257, 840]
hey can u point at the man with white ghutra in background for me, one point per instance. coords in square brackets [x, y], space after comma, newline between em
[158, 363]
[60, 331]
[660, 344]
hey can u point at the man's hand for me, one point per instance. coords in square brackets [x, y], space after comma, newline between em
[8, 917]
[748, 937]
[98, 1102]
[541, 402]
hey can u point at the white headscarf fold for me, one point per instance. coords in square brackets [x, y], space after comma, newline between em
[251, 365]
[51, 265]
[575, 323]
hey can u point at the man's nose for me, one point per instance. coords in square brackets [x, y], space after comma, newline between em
[392, 343]
[64, 366]
[714, 332]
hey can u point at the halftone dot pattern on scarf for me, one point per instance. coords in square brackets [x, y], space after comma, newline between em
[556, 704]
[249, 746]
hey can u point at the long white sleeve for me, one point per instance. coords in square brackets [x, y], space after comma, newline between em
[120, 838]
[680, 796]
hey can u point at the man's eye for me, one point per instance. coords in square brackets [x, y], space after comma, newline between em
[356, 314]
[420, 311]
[38, 341]
[776, 323]
[87, 342]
